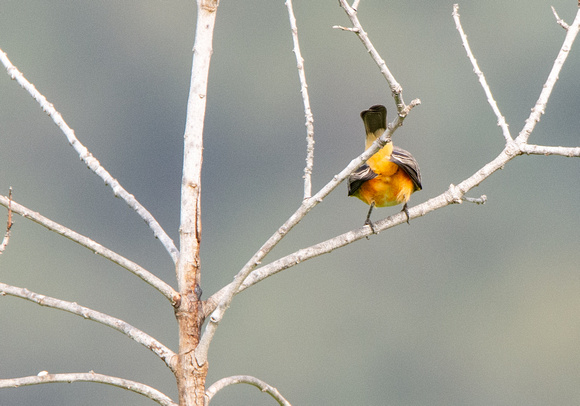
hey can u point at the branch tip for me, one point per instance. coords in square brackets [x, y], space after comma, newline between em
[561, 22]
[477, 200]
[340, 27]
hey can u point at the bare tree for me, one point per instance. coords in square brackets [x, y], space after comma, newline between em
[200, 319]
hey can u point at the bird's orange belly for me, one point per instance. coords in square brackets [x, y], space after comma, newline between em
[387, 190]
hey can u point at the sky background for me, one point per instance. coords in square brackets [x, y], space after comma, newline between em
[470, 304]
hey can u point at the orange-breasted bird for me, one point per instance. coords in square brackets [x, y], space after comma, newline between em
[390, 176]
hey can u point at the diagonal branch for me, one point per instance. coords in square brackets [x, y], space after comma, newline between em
[250, 380]
[500, 118]
[44, 377]
[130, 331]
[540, 106]
[396, 88]
[97, 248]
[231, 290]
[88, 158]
[454, 195]
[306, 100]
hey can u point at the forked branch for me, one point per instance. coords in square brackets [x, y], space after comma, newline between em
[453, 195]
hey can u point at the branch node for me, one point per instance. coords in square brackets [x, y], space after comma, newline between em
[454, 194]
[477, 200]
[560, 22]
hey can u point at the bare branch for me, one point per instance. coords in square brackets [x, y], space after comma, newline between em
[130, 331]
[133, 386]
[93, 164]
[500, 118]
[308, 204]
[540, 106]
[6, 238]
[250, 380]
[97, 248]
[396, 88]
[451, 196]
[306, 99]
[532, 149]
[340, 27]
[560, 22]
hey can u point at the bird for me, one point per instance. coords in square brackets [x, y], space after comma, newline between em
[390, 176]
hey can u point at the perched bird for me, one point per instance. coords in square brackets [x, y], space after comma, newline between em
[390, 176]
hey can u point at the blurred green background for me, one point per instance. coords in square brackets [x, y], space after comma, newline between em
[473, 305]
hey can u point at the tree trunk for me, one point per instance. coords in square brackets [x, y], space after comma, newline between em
[189, 375]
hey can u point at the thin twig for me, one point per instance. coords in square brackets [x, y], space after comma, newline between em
[560, 22]
[250, 380]
[500, 118]
[165, 289]
[540, 106]
[306, 99]
[130, 331]
[396, 88]
[6, 238]
[477, 200]
[93, 164]
[340, 27]
[133, 386]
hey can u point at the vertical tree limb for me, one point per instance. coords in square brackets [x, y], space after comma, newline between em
[306, 100]
[189, 374]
